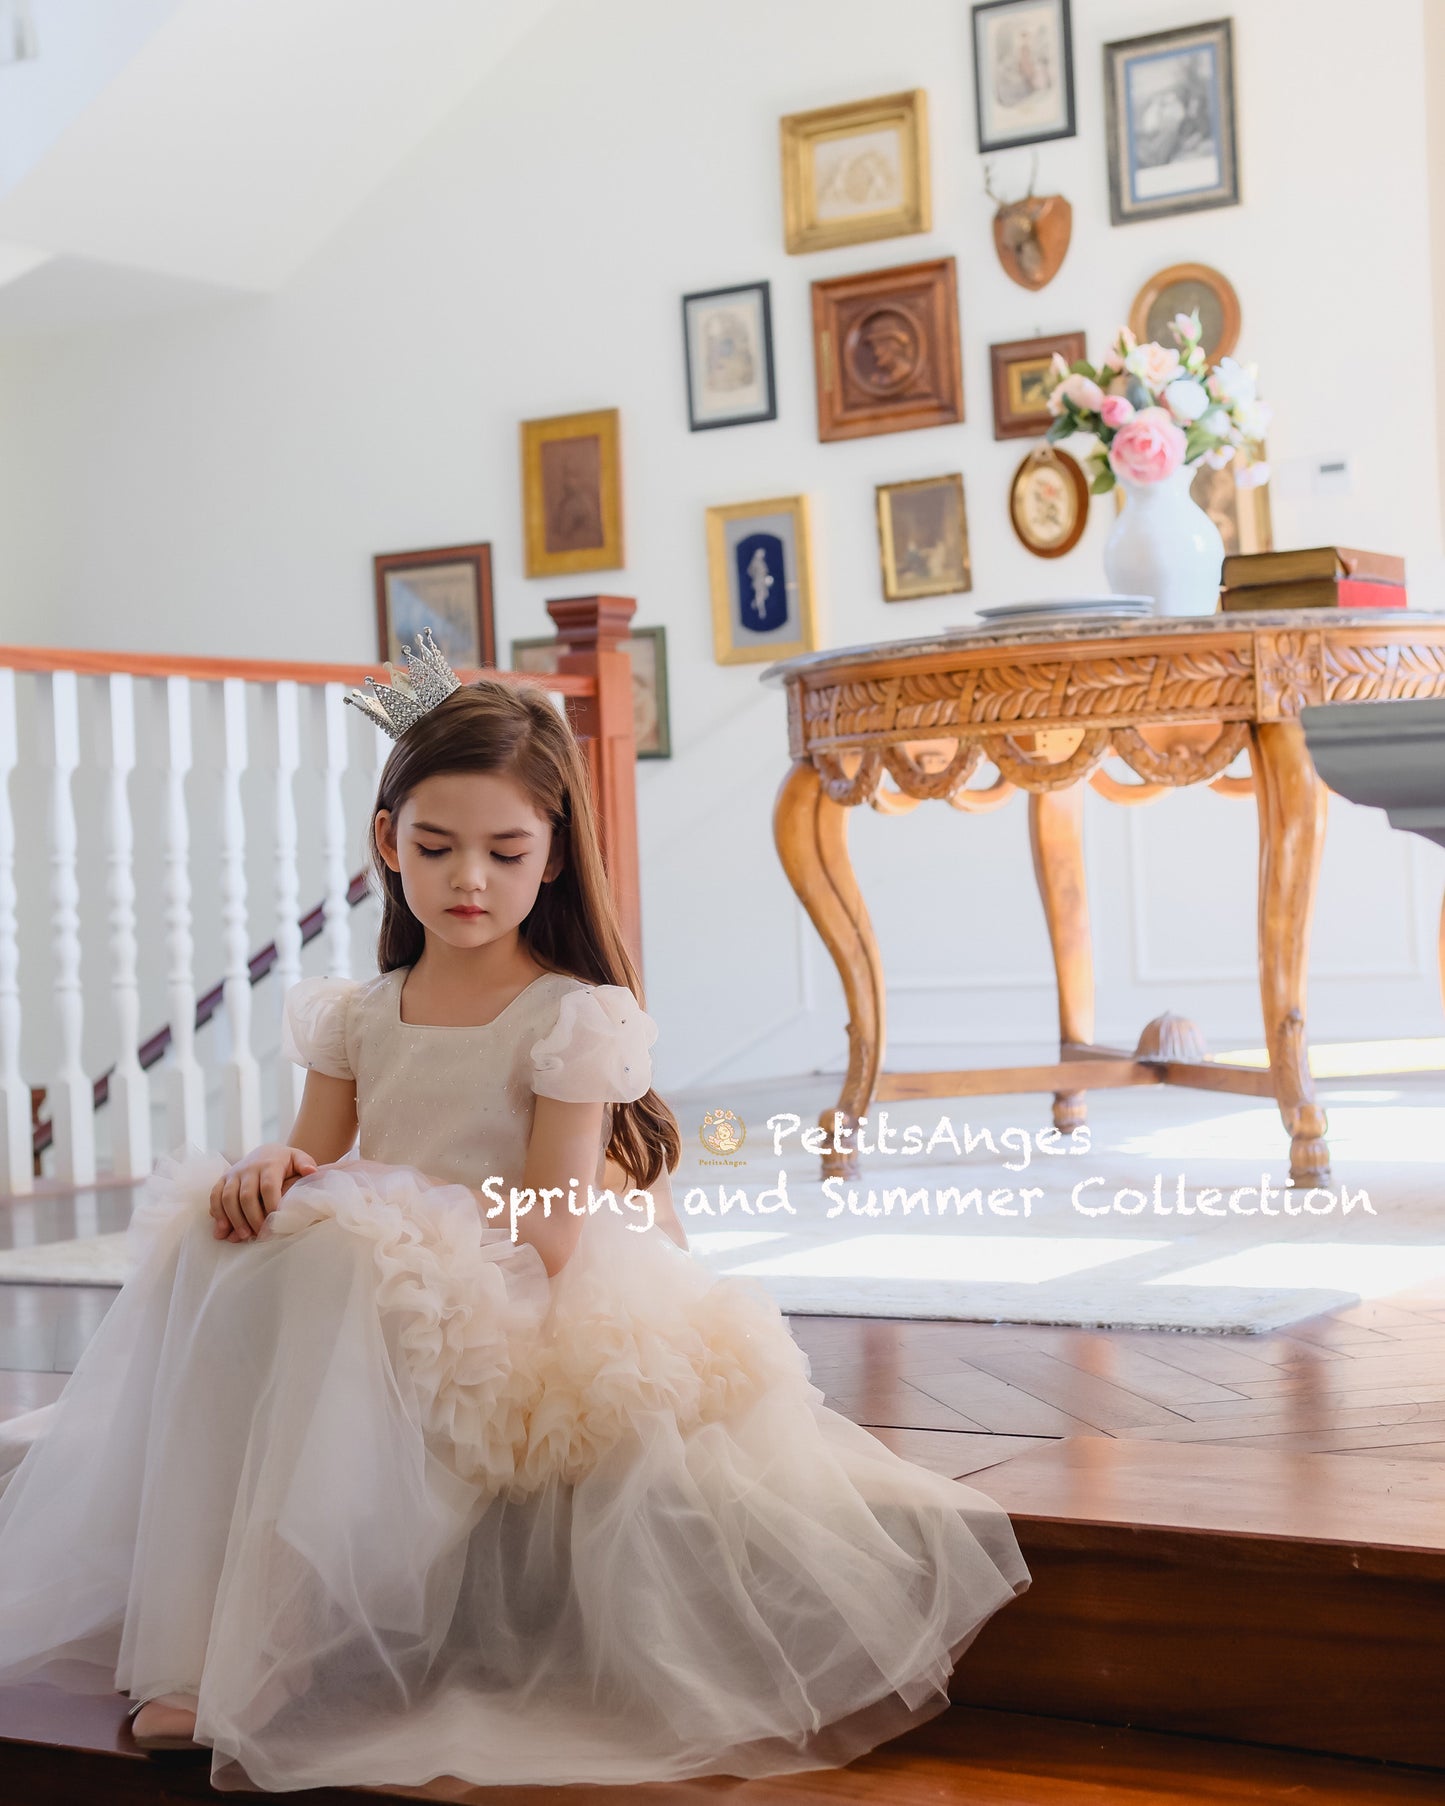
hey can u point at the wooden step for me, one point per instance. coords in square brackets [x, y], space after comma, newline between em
[60, 1748]
[1273, 1598]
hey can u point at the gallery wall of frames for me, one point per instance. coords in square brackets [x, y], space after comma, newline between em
[726, 310]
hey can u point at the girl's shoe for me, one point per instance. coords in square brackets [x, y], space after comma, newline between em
[167, 1733]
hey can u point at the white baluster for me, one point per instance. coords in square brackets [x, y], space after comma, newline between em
[241, 1081]
[338, 914]
[290, 1079]
[186, 1096]
[71, 1098]
[129, 1095]
[16, 1143]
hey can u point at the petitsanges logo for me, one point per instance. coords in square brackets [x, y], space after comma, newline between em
[723, 1132]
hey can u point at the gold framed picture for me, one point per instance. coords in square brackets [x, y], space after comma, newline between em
[856, 172]
[923, 538]
[760, 573]
[1049, 502]
[572, 493]
[1021, 373]
[1181, 289]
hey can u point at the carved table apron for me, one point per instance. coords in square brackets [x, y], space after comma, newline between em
[1176, 700]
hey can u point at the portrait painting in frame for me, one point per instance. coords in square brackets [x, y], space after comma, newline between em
[446, 588]
[760, 573]
[1186, 288]
[1169, 103]
[1049, 502]
[886, 350]
[1023, 72]
[1021, 370]
[728, 346]
[647, 649]
[572, 493]
[923, 538]
[856, 172]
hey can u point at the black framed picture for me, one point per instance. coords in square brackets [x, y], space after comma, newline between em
[1023, 72]
[728, 346]
[1169, 101]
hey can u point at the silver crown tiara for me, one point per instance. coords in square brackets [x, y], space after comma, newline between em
[428, 680]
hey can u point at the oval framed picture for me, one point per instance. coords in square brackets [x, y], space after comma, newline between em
[1048, 502]
[1179, 290]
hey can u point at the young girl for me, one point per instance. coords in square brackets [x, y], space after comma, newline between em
[352, 1485]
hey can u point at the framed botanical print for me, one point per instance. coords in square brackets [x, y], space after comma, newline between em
[923, 538]
[886, 350]
[1023, 72]
[647, 648]
[728, 342]
[1185, 288]
[760, 572]
[1021, 371]
[856, 172]
[1049, 502]
[1169, 102]
[449, 590]
[572, 493]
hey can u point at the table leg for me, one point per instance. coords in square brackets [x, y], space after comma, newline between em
[1056, 836]
[811, 833]
[1291, 801]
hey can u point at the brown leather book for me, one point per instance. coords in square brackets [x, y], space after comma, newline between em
[1250, 570]
[1347, 592]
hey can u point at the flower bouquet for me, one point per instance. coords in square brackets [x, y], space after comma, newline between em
[1156, 412]
[1153, 408]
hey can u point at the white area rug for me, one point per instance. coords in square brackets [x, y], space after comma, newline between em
[1137, 1267]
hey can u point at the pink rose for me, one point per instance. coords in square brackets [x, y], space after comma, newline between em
[1147, 448]
[1085, 394]
[1116, 410]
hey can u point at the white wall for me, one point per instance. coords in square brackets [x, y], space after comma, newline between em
[218, 481]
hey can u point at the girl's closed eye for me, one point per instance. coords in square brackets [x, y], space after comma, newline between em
[436, 853]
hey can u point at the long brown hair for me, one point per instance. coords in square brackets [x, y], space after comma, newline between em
[514, 730]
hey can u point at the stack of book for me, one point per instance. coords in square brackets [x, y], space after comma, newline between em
[1321, 577]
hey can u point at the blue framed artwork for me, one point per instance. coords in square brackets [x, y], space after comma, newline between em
[1170, 104]
[760, 571]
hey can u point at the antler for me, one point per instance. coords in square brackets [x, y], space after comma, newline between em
[1033, 177]
[997, 200]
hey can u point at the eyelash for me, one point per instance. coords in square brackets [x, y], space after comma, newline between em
[437, 852]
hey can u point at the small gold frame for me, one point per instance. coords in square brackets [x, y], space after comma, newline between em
[898, 588]
[724, 650]
[607, 555]
[802, 136]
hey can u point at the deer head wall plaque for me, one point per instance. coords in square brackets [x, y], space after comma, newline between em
[1031, 236]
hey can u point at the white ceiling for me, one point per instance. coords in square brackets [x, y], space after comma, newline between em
[216, 143]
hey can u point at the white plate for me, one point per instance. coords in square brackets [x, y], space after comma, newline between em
[1093, 605]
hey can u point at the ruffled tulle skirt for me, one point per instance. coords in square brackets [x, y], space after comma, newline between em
[395, 1505]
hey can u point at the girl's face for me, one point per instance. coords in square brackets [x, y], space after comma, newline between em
[472, 852]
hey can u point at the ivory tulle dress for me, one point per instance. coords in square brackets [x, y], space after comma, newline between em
[396, 1505]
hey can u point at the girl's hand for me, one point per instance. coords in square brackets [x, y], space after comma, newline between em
[253, 1187]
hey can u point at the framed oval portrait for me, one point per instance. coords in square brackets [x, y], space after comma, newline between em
[1048, 502]
[1179, 290]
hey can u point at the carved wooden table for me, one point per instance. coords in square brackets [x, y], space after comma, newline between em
[1176, 700]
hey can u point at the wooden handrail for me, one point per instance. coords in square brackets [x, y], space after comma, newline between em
[87, 662]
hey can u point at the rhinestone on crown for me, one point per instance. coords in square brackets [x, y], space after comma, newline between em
[410, 694]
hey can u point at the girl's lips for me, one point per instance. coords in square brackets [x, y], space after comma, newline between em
[460, 911]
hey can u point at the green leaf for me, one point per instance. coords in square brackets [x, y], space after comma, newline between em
[1082, 367]
[1102, 483]
[1062, 428]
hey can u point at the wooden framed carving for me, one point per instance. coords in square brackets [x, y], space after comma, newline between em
[886, 350]
[1020, 371]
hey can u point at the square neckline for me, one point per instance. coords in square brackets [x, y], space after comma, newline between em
[463, 1028]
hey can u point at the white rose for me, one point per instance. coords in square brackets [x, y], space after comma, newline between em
[1186, 400]
[1232, 382]
[1252, 418]
[1216, 423]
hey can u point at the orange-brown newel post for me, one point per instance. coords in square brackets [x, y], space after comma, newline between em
[591, 629]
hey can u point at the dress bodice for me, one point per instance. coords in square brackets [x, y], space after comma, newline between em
[457, 1102]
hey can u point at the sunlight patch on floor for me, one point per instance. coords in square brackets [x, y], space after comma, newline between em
[1344, 1059]
[1029, 1260]
[1373, 1271]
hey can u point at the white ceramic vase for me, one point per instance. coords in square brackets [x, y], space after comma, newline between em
[1164, 545]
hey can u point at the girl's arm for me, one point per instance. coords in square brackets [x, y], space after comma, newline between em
[563, 1146]
[250, 1190]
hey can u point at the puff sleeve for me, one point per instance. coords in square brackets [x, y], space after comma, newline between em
[313, 1024]
[597, 1050]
